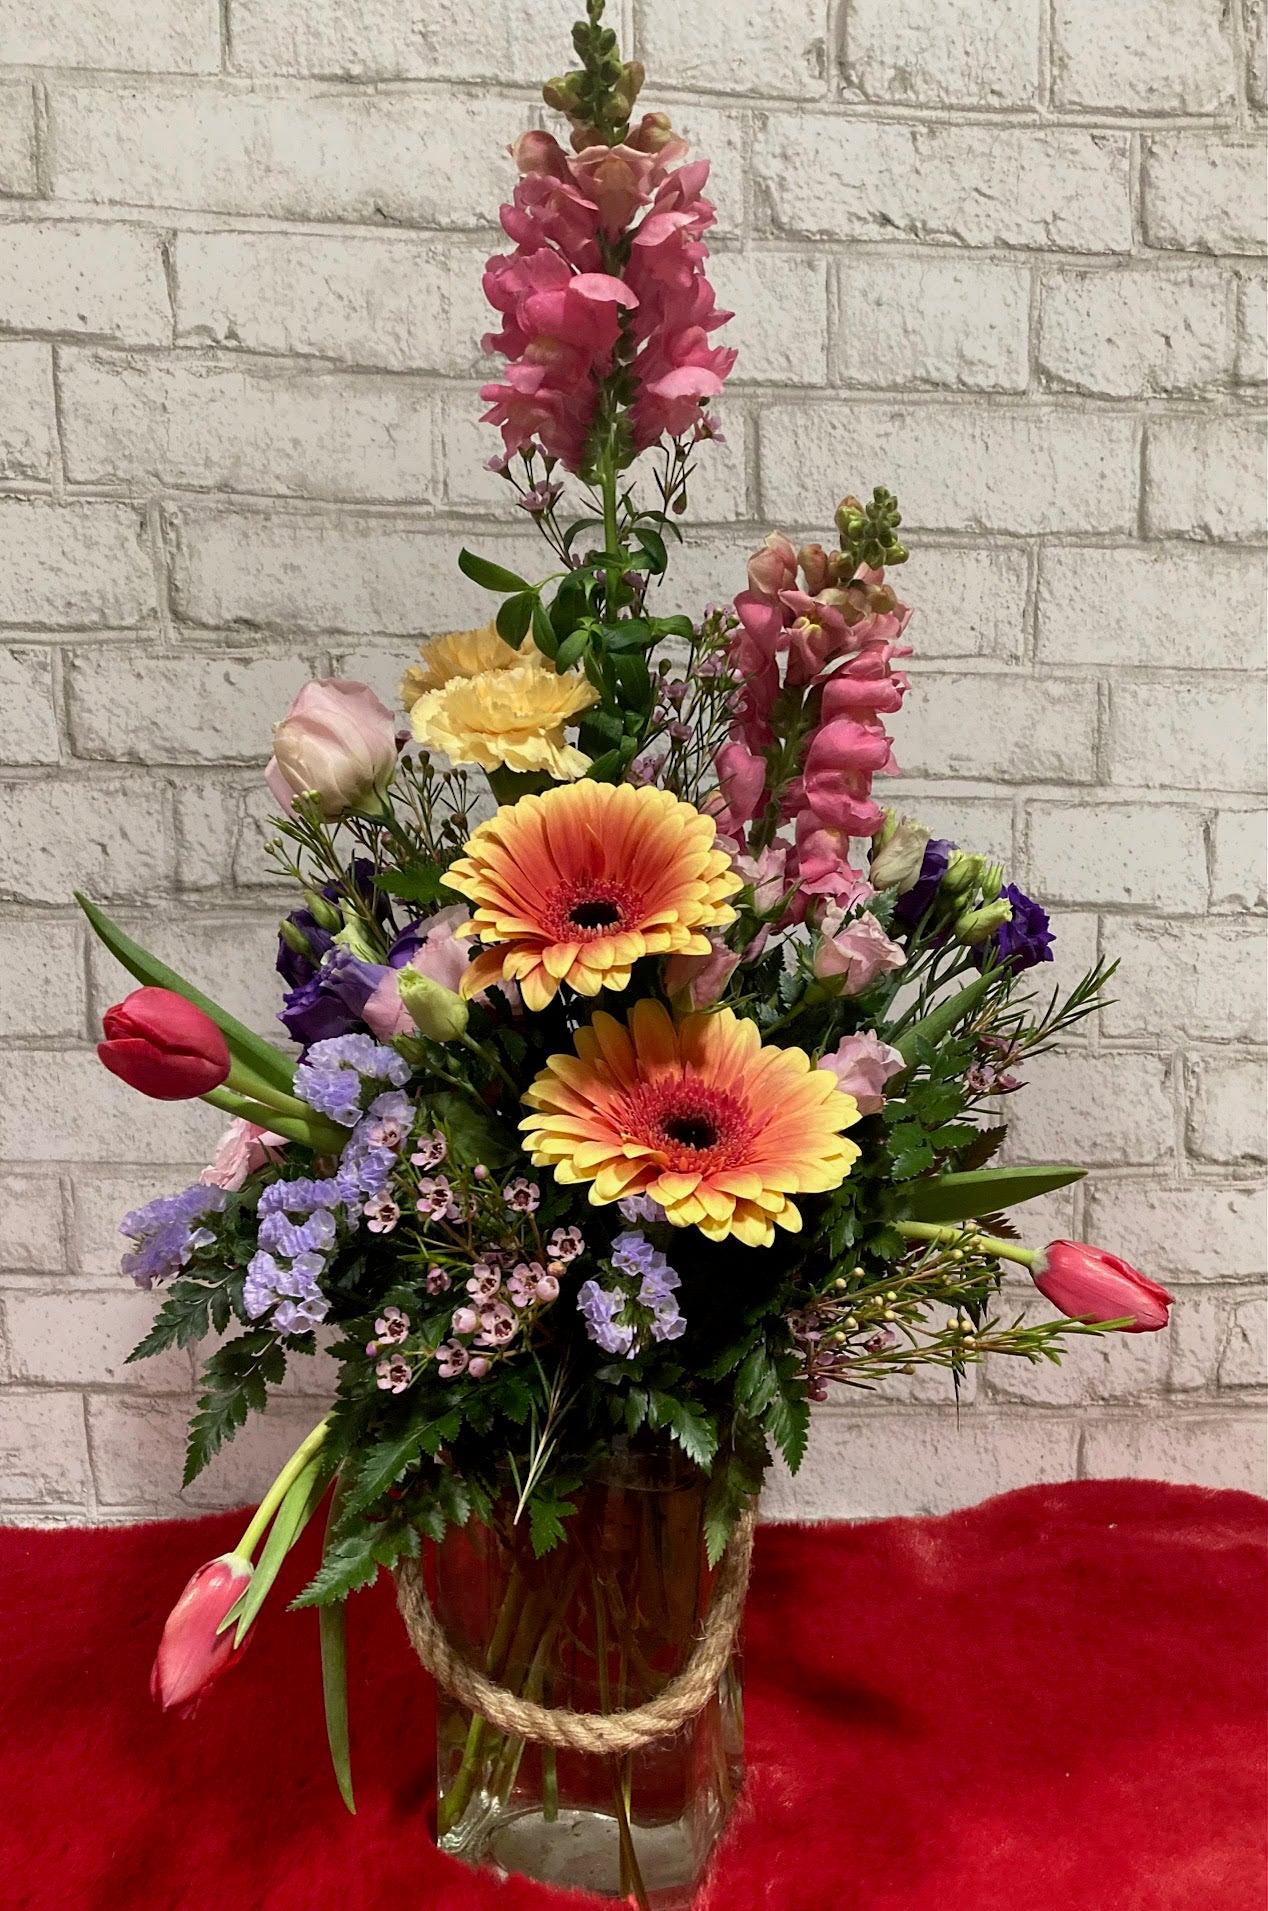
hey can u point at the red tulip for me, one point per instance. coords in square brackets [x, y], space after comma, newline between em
[1086, 1283]
[162, 1045]
[192, 1654]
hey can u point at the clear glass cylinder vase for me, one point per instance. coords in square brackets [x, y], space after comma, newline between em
[600, 1623]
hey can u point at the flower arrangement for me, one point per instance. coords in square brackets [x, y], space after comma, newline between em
[648, 1068]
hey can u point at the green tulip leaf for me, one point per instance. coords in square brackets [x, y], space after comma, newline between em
[963, 1197]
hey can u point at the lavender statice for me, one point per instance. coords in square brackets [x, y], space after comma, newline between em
[641, 1307]
[292, 1292]
[600, 1308]
[332, 1074]
[634, 1255]
[164, 1232]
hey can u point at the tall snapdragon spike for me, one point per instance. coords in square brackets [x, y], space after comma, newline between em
[606, 311]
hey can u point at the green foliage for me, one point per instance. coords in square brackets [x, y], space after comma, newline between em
[959, 1197]
[236, 1380]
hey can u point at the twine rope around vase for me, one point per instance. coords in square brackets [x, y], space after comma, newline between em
[687, 1693]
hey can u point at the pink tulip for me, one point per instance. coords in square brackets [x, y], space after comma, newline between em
[853, 958]
[192, 1654]
[1086, 1283]
[338, 742]
[862, 1065]
[242, 1149]
[701, 979]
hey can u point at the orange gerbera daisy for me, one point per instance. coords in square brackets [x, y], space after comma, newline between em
[578, 883]
[697, 1114]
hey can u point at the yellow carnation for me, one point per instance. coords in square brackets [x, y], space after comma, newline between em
[462, 653]
[512, 717]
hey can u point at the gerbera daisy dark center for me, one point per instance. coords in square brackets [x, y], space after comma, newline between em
[590, 907]
[697, 1128]
[693, 1131]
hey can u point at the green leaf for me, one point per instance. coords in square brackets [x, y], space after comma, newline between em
[332, 1631]
[909, 1151]
[384, 1463]
[694, 1430]
[940, 1021]
[654, 546]
[961, 1197]
[544, 631]
[302, 1500]
[491, 577]
[473, 1135]
[572, 648]
[423, 883]
[674, 627]
[788, 1423]
[635, 633]
[353, 1560]
[546, 1523]
[514, 618]
[182, 1319]
[236, 1381]
[757, 1382]
[244, 1045]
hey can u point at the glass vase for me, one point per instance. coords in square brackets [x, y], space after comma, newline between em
[600, 1623]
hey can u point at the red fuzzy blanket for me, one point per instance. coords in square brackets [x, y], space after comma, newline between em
[1053, 1702]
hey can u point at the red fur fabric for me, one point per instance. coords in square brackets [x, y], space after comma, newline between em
[1052, 1702]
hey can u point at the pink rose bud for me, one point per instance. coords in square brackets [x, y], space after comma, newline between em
[698, 979]
[1086, 1283]
[852, 959]
[337, 743]
[862, 1065]
[192, 1654]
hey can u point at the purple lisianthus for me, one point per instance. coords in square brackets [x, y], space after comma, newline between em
[331, 1001]
[1025, 940]
[910, 907]
[296, 968]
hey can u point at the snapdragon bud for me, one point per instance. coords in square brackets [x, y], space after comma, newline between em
[436, 1012]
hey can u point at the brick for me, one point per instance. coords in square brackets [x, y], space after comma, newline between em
[1251, 361]
[998, 730]
[17, 138]
[1157, 56]
[43, 1449]
[830, 178]
[394, 158]
[328, 572]
[166, 36]
[1221, 1450]
[102, 1195]
[32, 1236]
[1225, 1109]
[1204, 979]
[138, 1447]
[1181, 1234]
[977, 824]
[1152, 857]
[259, 428]
[770, 46]
[68, 276]
[872, 1466]
[28, 723]
[1203, 192]
[77, 1339]
[1255, 13]
[28, 433]
[1199, 1326]
[206, 819]
[942, 53]
[967, 603]
[386, 40]
[934, 321]
[400, 302]
[68, 833]
[1130, 334]
[1153, 601]
[1205, 478]
[1115, 1367]
[68, 1108]
[1102, 1110]
[231, 958]
[955, 468]
[780, 327]
[1244, 1358]
[725, 139]
[137, 707]
[1179, 734]
[1239, 880]
[73, 565]
[50, 998]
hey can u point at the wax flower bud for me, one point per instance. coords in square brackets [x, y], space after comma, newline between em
[435, 1011]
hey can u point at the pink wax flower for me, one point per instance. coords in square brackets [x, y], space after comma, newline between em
[192, 1654]
[698, 979]
[1086, 1283]
[240, 1151]
[338, 742]
[849, 961]
[862, 1065]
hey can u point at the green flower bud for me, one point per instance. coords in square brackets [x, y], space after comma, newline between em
[979, 925]
[992, 881]
[354, 938]
[294, 938]
[435, 1011]
[963, 877]
[323, 912]
[897, 853]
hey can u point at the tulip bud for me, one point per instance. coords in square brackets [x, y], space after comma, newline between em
[435, 1011]
[161, 1045]
[193, 1652]
[1086, 1283]
[979, 925]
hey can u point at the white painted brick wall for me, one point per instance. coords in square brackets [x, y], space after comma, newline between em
[1004, 255]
